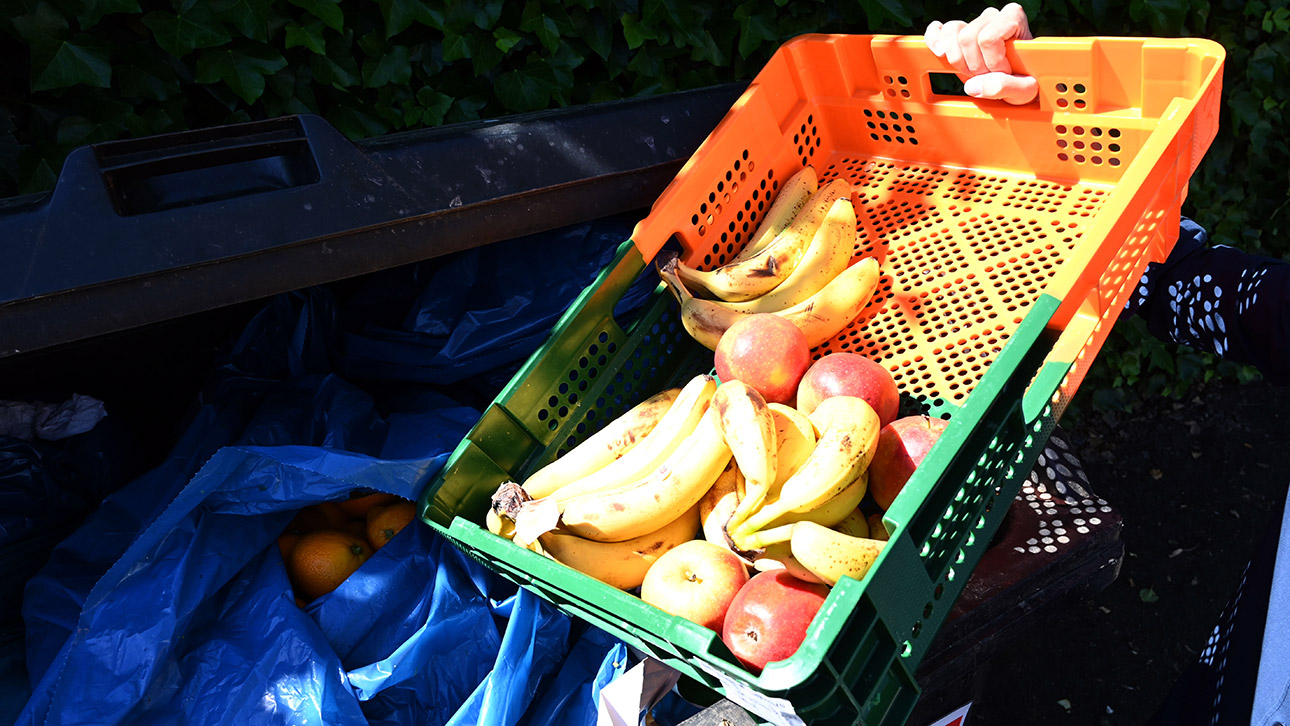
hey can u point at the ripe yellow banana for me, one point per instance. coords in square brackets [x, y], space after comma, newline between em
[848, 429]
[878, 528]
[620, 564]
[832, 511]
[499, 525]
[831, 555]
[718, 504]
[763, 271]
[748, 428]
[607, 445]
[660, 496]
[794, 441]
[779, 556]
[790, 200]
[829, 253]
[821, 317]
[854, 524]
[670, 432]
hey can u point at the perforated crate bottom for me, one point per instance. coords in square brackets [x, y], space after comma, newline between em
[964, 253]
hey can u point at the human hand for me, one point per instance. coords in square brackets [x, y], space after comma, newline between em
[978, 53]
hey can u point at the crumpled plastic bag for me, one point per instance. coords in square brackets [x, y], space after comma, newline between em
[171, 603]
[28, 420]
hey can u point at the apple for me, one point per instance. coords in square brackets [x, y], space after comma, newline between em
[768, 619]
[696, 580]
[767, 352]
[902, 445]
[849, 374]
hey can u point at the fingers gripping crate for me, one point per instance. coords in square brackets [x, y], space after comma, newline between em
[1009, 239]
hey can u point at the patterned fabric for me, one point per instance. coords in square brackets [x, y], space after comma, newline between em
[1220, 300]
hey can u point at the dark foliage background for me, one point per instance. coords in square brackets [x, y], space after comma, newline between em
[83, 71]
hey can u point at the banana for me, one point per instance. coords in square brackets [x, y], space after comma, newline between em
[673, 429]
[675, 486]
[829, 253]
[832, 511]
[854, 524]
[794, 441]
[499, 525]
[821, 317]
[878, 528]
[748, 428]
[831, 555]
[848, 429]
[792, 197]
[620, 564]
[763, 271]
[718, 504]
[607, 445]
[779, 556]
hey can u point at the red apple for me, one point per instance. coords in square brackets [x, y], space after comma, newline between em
[849, 374]
[902, 445]
[767, 352]
[768, 619]
[696, 580]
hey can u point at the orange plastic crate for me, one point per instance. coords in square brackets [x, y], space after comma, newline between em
[973, 208]
[1009, 238]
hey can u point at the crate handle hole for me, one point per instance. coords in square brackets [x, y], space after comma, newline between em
[946, 84]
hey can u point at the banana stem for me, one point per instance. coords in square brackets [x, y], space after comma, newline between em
[746, 507]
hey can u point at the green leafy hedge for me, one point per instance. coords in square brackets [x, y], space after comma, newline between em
[83, 71]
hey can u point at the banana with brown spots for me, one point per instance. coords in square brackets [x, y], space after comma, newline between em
[821, 317]
[605, 446]
[748, 428]
[763, 271]
[848, 434]
[662, 495]
[831, 555]
[620, 564]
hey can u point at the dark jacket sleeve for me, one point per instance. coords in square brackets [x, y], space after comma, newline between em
[1221, 300]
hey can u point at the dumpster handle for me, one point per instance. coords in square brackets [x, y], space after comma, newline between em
[163, 172]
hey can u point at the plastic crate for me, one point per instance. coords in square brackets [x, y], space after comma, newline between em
[1009, 238]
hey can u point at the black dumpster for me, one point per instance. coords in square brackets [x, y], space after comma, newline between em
[150, 261]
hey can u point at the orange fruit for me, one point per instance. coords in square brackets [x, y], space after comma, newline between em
[358, 528]
[385, 522]
[323, 515]
[287, 542]
[358, 507]
[322, 560]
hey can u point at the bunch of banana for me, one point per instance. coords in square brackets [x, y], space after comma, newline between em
[798, 265]
[820, 465]
[616, 502]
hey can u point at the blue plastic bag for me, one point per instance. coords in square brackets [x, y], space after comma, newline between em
[171, 604]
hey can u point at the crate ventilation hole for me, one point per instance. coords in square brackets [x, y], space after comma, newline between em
[1070, 96]
[1092, 145]
[890, 126]
[747, 207]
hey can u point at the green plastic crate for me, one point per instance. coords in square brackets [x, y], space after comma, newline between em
[1059, 298]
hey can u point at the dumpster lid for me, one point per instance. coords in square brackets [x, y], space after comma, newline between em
[143, 230]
